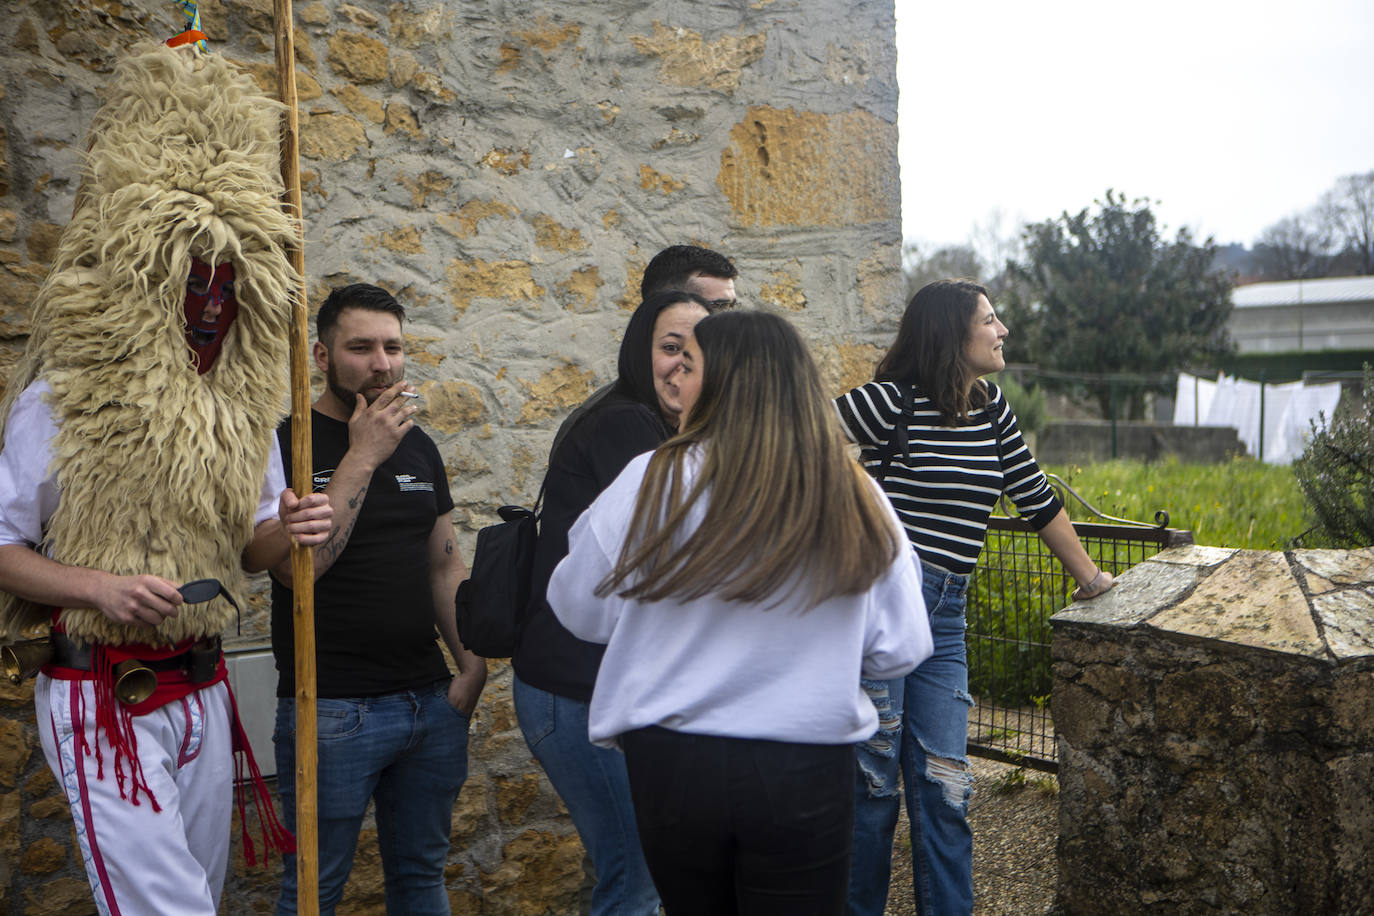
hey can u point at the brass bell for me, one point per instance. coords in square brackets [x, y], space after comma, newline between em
[23, 659]
[134, 682]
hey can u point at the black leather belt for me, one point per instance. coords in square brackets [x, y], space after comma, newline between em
[199, 662]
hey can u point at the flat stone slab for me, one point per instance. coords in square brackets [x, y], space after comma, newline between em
[1330, 569]
[1195, 555]
[1320, 606]
[1253, 599]
[1139, 593]
[1347, 618]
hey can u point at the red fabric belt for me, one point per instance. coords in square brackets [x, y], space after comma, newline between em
[114, 719]
[172, 683]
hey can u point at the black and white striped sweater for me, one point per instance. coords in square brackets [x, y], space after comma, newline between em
[949, 482]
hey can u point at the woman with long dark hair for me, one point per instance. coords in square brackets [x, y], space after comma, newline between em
[744, 577]
[554, 670]
[946, 445]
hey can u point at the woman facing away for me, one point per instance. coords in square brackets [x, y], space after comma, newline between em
[554, 670]
[963, 450]
[743, 578]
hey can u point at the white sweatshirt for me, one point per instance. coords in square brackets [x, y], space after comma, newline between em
[733, 669]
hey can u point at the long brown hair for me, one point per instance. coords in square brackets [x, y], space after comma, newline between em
[784, 502]
[929, 349]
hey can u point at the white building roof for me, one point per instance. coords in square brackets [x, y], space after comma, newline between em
[1304, 292]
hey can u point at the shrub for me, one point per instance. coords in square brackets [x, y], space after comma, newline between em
[1336, 472]
[1029, 404]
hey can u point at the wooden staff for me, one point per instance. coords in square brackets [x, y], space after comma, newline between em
[302, 559]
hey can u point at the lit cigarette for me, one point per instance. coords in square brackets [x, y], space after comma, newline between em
[410, 394]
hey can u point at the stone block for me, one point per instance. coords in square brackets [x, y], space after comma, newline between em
[426, 26]
[332, 137]
[17, 743]
[1140, 593]
[1217, 758]
[59, 897]
[556, 391]
[11, 810]
[550, 234]
[784, 292]
[509, 280]
[687, 60]
[1194, 555]
[530, 864]
[464, 222]
[1275, 616]
[42, 857]
[357, 57]
[581, 291]
[782, 164]
[1340, 567]
[1347, 621]
[514, 797]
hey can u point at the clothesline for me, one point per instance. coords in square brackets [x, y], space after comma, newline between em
[1274, 421]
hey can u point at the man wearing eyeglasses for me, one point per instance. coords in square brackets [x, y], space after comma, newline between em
[709, 274]
[698, 270]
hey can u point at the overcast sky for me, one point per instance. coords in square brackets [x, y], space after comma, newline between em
[1231, 113]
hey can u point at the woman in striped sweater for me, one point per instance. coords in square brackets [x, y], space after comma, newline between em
[961, 451]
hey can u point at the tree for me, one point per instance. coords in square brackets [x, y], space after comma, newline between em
[922, 267]
[1296, 247]
[1333, 238]
[997, 241]
[1102, 291]
[1349, 209]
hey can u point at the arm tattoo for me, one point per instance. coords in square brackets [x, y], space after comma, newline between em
[356, 499]
[448, 546]
[329, 551]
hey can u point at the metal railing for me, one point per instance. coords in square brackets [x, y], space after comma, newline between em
[1015, 589]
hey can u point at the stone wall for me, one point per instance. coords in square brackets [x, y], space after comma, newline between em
[507, 169]
[1084, 441]
[1215, 715]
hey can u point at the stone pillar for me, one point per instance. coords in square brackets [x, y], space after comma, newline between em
[1215, 715]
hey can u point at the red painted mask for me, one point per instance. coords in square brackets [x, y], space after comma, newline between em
[210, 309]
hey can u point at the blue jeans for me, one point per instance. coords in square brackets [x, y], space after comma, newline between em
[409, 752]
[923, 734]
[593, 783]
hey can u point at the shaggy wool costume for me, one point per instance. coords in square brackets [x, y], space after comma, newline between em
[160, 468]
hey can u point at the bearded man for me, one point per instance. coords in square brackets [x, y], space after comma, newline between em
[138, 478]
[393, 722]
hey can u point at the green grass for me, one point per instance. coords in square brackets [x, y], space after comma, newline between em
[1239, 503]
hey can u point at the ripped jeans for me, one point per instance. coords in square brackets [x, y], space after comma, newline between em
[922, 733]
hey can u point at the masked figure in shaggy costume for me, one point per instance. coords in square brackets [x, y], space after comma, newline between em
[138, 455]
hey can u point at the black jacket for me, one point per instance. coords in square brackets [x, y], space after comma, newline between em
[585, 462]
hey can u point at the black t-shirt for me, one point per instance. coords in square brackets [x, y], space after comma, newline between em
[591, 456]
[374, 611]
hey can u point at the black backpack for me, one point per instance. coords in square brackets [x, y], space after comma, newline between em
[492, 598]
[491, 601]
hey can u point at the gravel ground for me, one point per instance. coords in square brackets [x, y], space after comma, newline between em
[1014, 815]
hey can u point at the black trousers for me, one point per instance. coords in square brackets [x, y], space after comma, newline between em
[734, 825]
